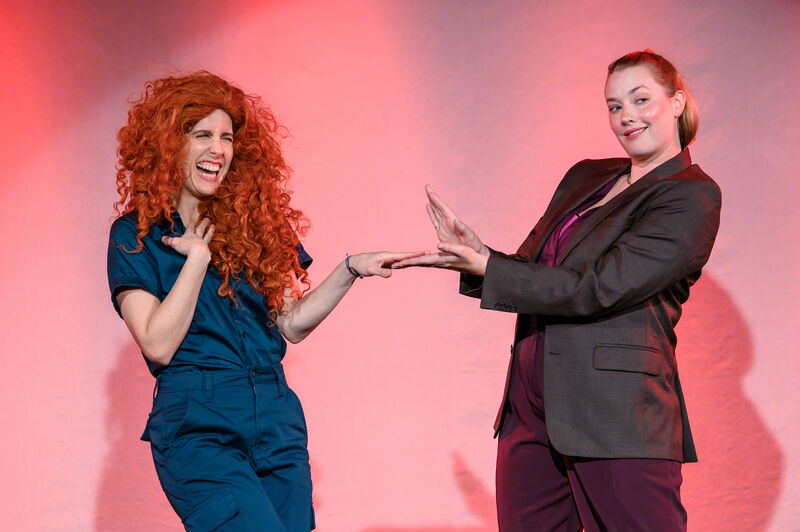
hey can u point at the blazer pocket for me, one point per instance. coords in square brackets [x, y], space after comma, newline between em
[631, 358]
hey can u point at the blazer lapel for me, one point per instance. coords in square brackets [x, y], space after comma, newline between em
[589, 184]
[671, 167]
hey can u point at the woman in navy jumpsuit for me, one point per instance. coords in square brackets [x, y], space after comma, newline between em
[227, 434]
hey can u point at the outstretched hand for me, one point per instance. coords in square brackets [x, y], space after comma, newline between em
[459, 247]
[380, 263]
[449, 228]
[194, 240]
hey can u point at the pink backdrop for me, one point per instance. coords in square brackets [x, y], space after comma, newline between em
[489, 102]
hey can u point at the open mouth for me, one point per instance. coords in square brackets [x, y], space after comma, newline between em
[208, 171]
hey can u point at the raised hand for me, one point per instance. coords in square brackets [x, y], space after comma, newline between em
[380, 263]
[194, 240]
[449, 228]
[459, 247]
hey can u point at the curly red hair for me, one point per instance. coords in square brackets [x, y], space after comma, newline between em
[256, 229]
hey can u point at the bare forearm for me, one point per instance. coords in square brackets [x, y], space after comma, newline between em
[169, 322]
[306, 313]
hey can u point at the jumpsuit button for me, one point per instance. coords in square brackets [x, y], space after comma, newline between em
[244, 335]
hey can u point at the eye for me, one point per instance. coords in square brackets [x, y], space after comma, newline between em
[614, 108]
[641, 100]
[228, 139]
[201, 135]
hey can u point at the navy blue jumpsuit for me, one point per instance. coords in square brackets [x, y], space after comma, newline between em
[228, 436]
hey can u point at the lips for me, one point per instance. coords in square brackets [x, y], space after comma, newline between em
[633, 133]
[208, 170]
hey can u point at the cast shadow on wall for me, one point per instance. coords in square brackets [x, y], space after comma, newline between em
[129, 496]
[737, 482]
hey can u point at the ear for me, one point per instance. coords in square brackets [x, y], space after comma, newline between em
[678, 103]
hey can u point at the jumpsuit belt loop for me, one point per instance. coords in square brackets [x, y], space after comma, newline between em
[280, 377]
[253, 373]
[208, 385]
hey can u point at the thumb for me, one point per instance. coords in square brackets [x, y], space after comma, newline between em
[464, 230]
[454, 249]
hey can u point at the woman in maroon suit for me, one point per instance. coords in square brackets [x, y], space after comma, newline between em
[593, 427]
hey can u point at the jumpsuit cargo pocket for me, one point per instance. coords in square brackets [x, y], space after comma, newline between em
[212, 513]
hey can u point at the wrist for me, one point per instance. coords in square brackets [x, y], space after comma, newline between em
[480, 266]
[199, 255]
[351, 269]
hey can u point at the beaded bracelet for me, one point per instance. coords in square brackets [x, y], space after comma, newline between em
[351, 270]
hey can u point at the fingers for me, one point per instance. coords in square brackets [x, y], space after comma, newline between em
[204, 229]
[383, 272]
[209, 233]
[191, 226]
[463, 230]
[201, 227]
[458, 250]
[381, 263]
[393, 257]
[431, 260]
[437, 203]
[432, 215]
[441, 259]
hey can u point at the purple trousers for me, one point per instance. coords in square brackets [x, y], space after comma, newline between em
[539, 489]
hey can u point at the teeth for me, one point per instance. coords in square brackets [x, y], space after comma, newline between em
[635, 131]
[209, 167]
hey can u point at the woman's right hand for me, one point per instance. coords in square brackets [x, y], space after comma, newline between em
[449, 228]
[194, 241]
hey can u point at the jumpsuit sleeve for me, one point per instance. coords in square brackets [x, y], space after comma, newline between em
[303, 257]
[128, 266]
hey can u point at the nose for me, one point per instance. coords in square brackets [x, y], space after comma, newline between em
[215, 147]
[626, 114]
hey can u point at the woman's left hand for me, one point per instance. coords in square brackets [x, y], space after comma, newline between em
[369, 264]
[458, 257]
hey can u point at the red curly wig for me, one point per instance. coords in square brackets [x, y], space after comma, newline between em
[256, 229]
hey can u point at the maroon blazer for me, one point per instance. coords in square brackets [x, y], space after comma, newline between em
[609, 307]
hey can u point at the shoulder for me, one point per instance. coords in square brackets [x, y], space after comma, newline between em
[125, 229]
[125, 223]
[588, 168]
[591, 166]
[694, 182]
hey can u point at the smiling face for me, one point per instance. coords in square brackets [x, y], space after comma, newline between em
[208, 155]
[643, 116]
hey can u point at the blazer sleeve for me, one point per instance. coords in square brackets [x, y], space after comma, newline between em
[671, 240]
[472, 285]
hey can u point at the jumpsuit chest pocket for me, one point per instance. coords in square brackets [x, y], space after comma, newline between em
[168, 419]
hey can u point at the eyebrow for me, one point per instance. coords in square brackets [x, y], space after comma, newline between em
[636, 88]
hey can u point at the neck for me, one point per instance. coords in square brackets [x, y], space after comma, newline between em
[640, 167]
[187, 207]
